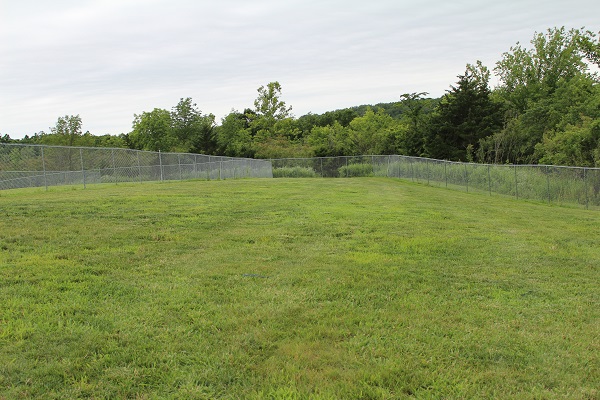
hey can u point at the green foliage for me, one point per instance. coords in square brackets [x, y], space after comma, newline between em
[416, 110]
[589, 42]
[294, 172]
[373, 133]
[310, 121]
[279, 147]
[152, 131]
[466, 114]
[575, 145]
[328, 140]
[234, 136]
[185, 129]
[194, 132]
[543, 89]
[356, 170]
[269, 109]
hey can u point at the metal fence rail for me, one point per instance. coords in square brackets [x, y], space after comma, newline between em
[43, 166]
[552, 184]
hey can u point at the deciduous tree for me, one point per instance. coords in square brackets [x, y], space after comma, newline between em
[152, 131]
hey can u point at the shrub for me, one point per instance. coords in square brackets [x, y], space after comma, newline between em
[353, 170]
[294, 172]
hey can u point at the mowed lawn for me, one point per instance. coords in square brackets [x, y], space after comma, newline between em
[365, 288]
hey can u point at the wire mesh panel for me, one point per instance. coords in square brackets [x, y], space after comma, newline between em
[36, 165]
[592, 187]
[560, 185]
[298, 167]
[568, 185]
[39, 166]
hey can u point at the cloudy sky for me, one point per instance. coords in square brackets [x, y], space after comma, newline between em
[107, 60]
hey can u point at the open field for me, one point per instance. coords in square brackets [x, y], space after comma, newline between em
[368, 288]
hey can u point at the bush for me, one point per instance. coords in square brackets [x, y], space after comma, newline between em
[294, 172]
[353, 170]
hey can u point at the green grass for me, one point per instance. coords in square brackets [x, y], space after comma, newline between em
[367, 288]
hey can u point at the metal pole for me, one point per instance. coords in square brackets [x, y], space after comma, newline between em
[44, 167]
[161, 166]
[587, 200]
[139, 166]
[112, 153]
[466, 178]
[208, 169]
[489, 181]
[347, 167]
[82, 168]
[179, 163]
[373, 164]
[427, 165]
[387, 173]
[446, 172]
[516, 184]
[321, 167]
[548, 182]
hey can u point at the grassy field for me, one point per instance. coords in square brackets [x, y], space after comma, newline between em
[366, 288]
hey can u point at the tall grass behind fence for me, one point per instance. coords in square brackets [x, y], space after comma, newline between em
[39, 166]
[552, 184]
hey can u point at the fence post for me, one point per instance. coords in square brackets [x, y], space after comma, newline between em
[446, 172]
[347, 167]
[427, 165]
[321, 167]
[489, 181]
[548, 182]
[387, 170]
[44, 168]
[516, 184]
[220, 168]
[114, 166]
[373, 164]
[179, 163]
[82, 167]
[137, 152]
[466, 178]
[585, 183]
[161, 166]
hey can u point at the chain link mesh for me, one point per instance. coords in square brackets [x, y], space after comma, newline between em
[37, 166]
[552, 184]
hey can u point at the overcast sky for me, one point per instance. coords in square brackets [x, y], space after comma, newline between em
[107, 60]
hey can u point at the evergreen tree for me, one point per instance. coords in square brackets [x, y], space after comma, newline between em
[465, 115]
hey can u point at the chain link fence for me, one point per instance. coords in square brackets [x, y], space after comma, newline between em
[552, 184]
[43, 166]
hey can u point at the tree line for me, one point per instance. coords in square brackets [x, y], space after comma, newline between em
[545, 109]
